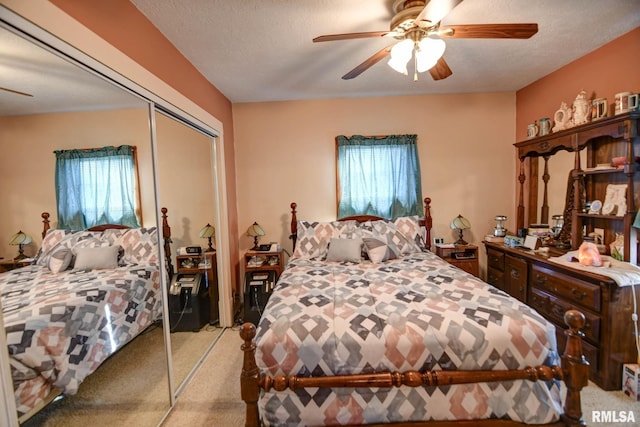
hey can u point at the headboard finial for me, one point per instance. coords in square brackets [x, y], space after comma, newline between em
[45, 221]
[294, 224]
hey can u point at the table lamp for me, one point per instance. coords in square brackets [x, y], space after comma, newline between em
[208, 232]
[20, 239]
[460, 223]
[255, 231]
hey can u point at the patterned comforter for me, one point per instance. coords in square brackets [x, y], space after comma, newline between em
[62, 326]
[415, 312]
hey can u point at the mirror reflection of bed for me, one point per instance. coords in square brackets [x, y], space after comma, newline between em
[27, 139]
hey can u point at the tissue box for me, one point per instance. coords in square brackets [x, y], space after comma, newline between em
[631, 380]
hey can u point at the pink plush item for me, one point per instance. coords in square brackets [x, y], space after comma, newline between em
[588, 255]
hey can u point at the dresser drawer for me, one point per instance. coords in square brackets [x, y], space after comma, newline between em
[590, 352]
[495, 277]
[515, 277]
[553, 308]
[495, 259]
[577, 291]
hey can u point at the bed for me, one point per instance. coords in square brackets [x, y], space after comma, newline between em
[392, 334]
[86, 295]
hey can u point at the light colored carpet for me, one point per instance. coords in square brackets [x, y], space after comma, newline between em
[119, 393]
[212, 398]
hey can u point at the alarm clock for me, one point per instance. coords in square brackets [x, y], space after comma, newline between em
[193, 250]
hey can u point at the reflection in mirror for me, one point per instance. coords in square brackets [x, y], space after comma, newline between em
[559, 167]
[186, 187]
[46, 104]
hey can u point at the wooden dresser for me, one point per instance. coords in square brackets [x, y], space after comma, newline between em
[552, 289]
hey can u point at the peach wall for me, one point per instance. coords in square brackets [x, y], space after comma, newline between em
[604, 72]
[28, 184]
[185, 181]
[285, 152]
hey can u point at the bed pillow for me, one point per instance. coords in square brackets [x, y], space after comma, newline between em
[96, 258]
[67, 239]
[344, 250]
[410, 227]
[60, 259]
[140, 244]
[389, 232]
[379, 250]
[314, 237]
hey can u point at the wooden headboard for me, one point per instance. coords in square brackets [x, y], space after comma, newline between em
[426, 221]
[166, 235]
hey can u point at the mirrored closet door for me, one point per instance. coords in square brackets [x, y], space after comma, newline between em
[187, 182]
[46, 104]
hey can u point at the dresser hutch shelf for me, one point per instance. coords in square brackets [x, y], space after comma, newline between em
[552, 288]
[616, 136]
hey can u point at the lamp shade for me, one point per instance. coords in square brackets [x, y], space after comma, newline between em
[428, 52]
[460, 223]
[400, 55]
[20, 238]
[255, 231]
[208, 232]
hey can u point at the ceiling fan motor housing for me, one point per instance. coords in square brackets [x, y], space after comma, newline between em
[406, 12]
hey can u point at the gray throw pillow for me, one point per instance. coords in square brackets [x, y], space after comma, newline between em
[344, 250]
[96, 258]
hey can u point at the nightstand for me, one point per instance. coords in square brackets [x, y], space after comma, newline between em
[261, 271]
[465, 257]
[267, 260]
[12, 264]
[195, 263]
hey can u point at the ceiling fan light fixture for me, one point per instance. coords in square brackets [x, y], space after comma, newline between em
[400, 54]
[428, 52]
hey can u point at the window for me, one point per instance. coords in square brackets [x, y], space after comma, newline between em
[96, 186]
[378, 176]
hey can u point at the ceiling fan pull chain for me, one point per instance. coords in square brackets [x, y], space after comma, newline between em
[415, 68]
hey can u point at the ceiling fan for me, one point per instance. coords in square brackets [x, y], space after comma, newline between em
[6, 89]
[416, 26]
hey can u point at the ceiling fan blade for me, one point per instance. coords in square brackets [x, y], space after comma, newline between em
[436, 10]
[349, 36]
[441, 70]
[376, 57]
[15, 91]
[488, 31]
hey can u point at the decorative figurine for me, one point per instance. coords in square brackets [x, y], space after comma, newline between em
[562, 118]
[581, 109]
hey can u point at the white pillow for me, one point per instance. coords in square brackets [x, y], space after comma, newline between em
[96, 258]
[60, 259]
[344, 250]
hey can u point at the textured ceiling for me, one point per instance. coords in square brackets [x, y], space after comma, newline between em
[55, 84]
[261, 50]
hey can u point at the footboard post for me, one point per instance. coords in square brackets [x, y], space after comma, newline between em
[575, 368]
[249, 389]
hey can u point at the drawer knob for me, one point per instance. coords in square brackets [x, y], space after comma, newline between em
[541, 280]
[558, 311]
[515, 274]
[577, 294]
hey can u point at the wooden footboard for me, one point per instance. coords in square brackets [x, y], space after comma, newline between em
[574, 372]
